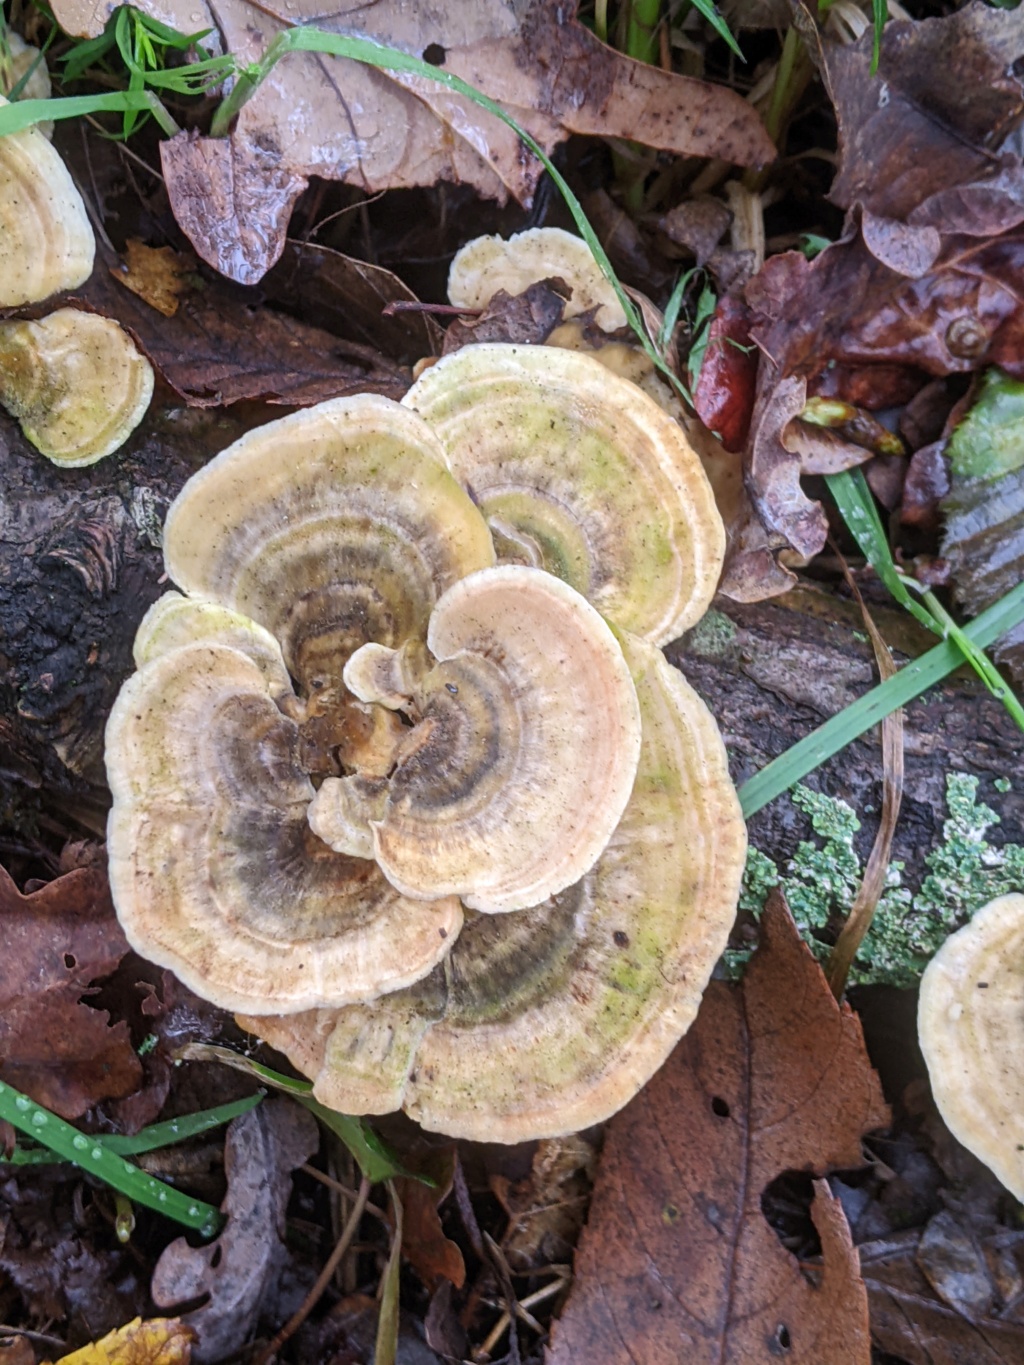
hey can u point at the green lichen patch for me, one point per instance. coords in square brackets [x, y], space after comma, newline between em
[820, 881]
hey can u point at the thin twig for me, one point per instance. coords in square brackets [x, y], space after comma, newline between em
[322, 1280]
[374, 1209]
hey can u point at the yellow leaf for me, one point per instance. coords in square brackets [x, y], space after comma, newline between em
[160, 1341]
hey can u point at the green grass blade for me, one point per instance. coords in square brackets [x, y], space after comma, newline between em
[879, 14]
[710, 12]
[83, 1151]
[372, 1155]
[25, 113]
[913, 679]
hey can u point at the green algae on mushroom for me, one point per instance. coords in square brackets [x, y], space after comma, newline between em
[970, 1024]
[214, 870]
[581, 473]
[487, 264]
[46, 239]
[523, 757]
[330, 528]
[76, 382]
[544, 1021]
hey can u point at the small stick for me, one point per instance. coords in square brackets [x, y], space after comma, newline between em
[322, 1280]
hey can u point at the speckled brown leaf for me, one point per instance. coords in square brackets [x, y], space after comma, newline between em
[330, 117]
[56, 941]
[677, 1261]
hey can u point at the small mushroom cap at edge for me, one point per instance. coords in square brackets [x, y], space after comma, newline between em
[76, 382]
[46, 239]
[586, 467]
[544, 1022]
[487, 264]
[970, 1024]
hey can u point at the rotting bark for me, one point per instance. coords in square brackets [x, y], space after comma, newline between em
[80, 562]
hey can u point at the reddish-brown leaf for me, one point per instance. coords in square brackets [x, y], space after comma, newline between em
[678, 1261]
[434, 1256]
[724, 393]
[56, 941]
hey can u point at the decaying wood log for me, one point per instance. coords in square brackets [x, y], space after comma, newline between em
[80, 563]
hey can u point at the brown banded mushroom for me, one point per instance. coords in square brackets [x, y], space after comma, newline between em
[523, 758]
[333, 527]
[970, 1025]
[581, 473]
[547, 1020]
[75, 382]
[46, 240]
[487, 264]
[214, 870]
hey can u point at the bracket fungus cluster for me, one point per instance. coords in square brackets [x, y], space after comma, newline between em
[403, 777]
[971, 1029]
[76, 382]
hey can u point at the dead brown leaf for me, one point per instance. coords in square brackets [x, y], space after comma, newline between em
[238, 1273]
[157, 1341]
[56, 941]
[923, 153]
[223, 345]
[527, 319]
[547, 1209]
[434, 1256]
[911, 1320]
[338, 119]
[678, 1260]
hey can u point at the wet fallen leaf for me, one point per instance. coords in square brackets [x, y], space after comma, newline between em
[239, 1271]
[337, 119]
[58, 940]
[160, 1341]
[527, 319]
[911, 1321]
[677, 1258]
[223, 346]
[723, 396]
[924, 153]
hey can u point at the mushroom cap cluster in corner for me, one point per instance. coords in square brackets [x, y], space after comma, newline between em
[970, 1025]
[76, 382]
[404, 778]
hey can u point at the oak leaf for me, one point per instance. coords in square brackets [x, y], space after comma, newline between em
[678, 1260]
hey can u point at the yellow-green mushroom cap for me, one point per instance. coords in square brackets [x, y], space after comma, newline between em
[524, 757]
[581, 473]
[173, 621]
[545, 1021]
[46, 239]
[970, 1024]
[75, 381]
[214, 870]
[332, 527]
[488, 264]
[23, 62]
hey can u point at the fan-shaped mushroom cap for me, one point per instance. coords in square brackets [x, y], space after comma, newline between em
[22, 57]
[331, 527]
[46, 239]
[512, 783]
[75, 382]
[583, 474]
[214, 870]
[173, 621]
[970, 1023]
[548, 1020]
[488, 264]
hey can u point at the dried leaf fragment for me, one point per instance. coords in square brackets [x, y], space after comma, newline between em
[157, 1341]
